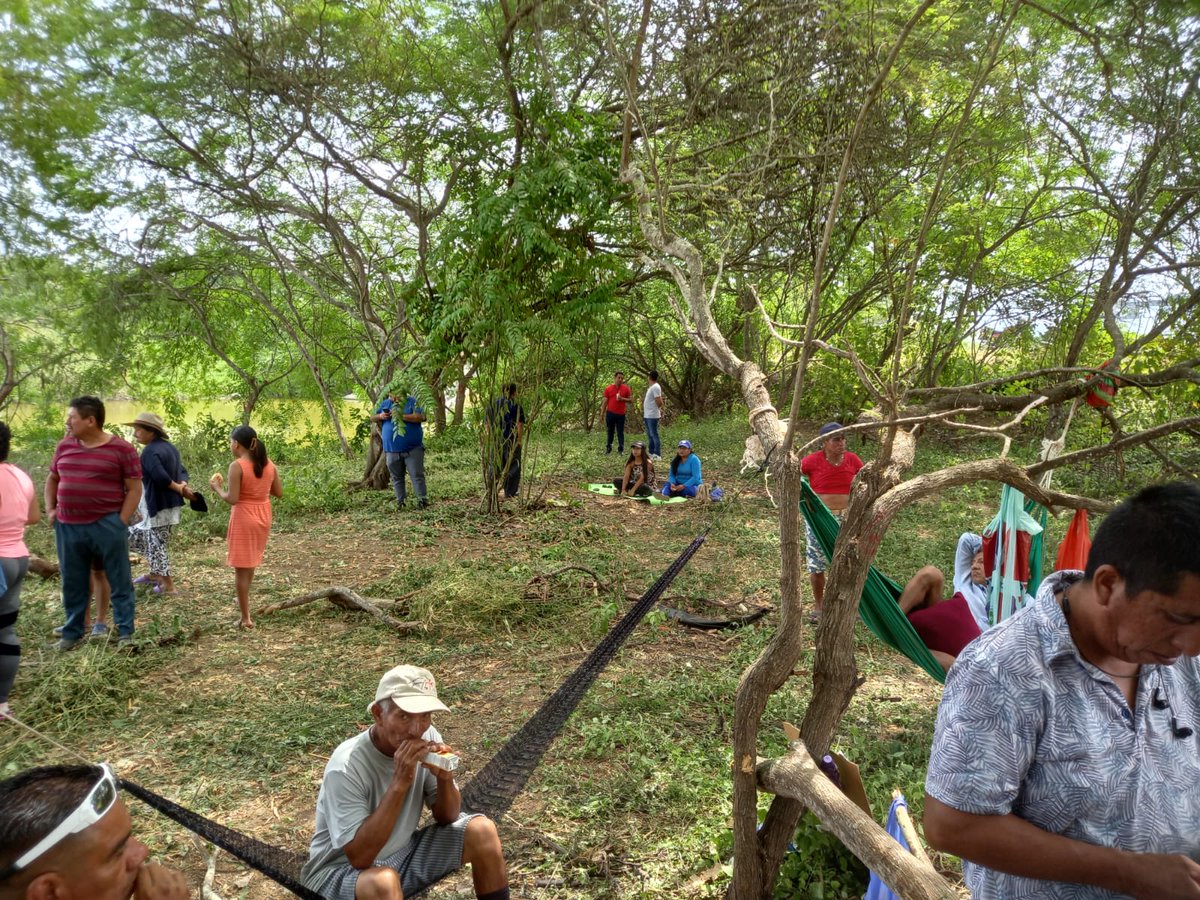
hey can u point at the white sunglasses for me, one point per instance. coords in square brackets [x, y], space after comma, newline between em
[92, 809]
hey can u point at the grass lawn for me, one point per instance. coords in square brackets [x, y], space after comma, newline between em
[633, 798]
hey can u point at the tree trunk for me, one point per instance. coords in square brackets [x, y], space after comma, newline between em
[253, 393]
[797, 776]
[764, 676]
[753, 874]
[376, 476]
[334, 418]
[8, 381]
[460, 399]
[439, 403]
[835, 674]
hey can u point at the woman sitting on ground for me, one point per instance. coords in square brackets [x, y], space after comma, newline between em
[638, 480]
[684, 480]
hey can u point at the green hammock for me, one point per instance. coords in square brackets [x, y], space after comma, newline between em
[879, 605]
[1036, 546]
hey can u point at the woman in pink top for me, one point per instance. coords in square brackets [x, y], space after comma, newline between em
[18, 508]
[253, 480]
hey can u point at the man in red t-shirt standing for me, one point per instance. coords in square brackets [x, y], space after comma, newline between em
[92, 493]
[830, 472]
[616, 396]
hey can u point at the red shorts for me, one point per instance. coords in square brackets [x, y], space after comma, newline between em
[947, 626]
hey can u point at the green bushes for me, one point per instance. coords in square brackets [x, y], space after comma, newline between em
[819, 867]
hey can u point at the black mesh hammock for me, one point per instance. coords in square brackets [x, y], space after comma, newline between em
[491, 792]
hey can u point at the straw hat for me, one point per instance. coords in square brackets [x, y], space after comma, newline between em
[151, 421]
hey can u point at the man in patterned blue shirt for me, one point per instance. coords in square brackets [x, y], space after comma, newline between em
[1066, 760]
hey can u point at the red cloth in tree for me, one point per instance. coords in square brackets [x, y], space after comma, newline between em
[1024, 542]
[1073, 551]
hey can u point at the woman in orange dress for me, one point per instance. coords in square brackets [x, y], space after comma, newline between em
[253, 480]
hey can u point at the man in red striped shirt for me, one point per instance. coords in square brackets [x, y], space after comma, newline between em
[92, 493]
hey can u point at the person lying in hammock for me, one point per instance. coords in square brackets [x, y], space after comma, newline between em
[367, 844]
[65, 834]
[946, 626]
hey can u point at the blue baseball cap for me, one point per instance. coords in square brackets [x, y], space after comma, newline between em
[828, 428]
[687, 444]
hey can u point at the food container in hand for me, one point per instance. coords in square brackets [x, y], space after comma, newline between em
[445, 760]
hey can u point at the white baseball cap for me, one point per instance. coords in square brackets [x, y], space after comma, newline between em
[411, 688]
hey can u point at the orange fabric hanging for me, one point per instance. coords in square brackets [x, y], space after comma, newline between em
[1073, 551]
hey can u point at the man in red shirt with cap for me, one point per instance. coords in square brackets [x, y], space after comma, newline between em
[830, 472]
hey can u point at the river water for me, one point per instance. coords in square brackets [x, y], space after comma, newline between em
[302, 415]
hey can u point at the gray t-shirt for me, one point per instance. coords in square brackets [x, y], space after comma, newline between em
[356, 778]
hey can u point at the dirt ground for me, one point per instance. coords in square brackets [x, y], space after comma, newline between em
[321, 554]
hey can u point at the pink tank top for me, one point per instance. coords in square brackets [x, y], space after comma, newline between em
[16, 493]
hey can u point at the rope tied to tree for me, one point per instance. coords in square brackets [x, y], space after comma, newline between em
[759, 410]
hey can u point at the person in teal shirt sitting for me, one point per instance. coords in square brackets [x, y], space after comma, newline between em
[684, 480]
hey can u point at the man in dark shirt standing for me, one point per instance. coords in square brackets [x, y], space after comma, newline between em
[509, 416]
[92, 493]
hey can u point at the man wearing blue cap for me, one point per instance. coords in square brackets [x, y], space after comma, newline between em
[830, 472]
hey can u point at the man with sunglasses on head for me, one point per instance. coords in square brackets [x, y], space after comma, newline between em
[65, 835]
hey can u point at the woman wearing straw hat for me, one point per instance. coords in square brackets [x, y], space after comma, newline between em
[164, 488]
